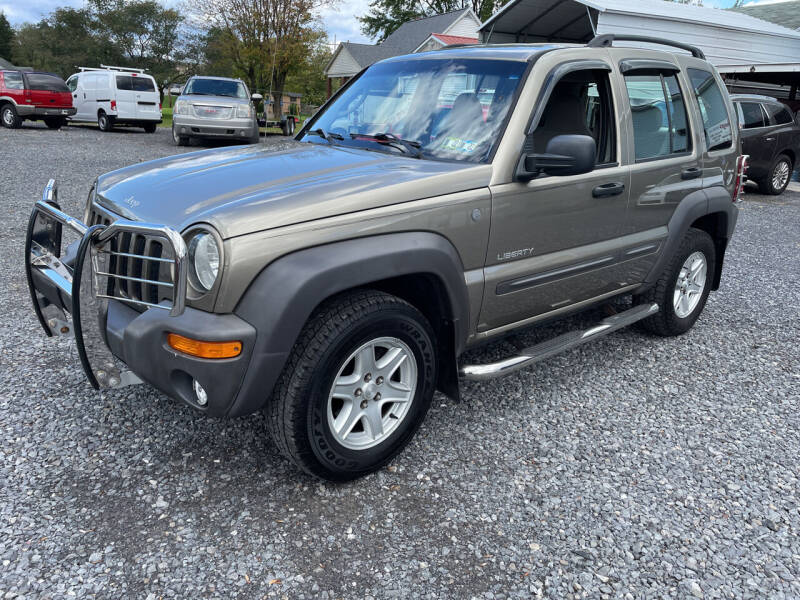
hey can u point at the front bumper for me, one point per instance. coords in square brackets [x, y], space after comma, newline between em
[212, 128]
[44, 111]
[118, 344]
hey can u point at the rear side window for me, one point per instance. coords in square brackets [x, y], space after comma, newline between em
[135, 84]
[716, 123]
[46, 83]
[753, 115]
[660, 127]
[13, 80]
[778, 114]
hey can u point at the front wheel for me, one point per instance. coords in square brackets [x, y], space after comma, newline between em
[9, 117]
[778, 178]
[682, 290]
[179, 140]
[356, 387]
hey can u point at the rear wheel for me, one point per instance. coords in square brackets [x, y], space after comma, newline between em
[682, 290]
[104, 122]
[55, 122]
[779, 175]
[150, 128]
[9, 117]
[179, 140]
[356, 387]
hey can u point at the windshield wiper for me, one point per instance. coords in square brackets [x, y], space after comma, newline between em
[408, 146]
[325, 135]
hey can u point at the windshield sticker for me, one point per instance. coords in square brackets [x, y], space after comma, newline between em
[454, 144]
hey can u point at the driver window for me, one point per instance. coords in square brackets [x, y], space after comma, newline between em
[72, 83]
[580, 104]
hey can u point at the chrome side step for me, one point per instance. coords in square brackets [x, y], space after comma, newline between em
[566, 341]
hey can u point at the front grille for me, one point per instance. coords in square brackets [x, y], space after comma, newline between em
[133, 267]
[208, 111]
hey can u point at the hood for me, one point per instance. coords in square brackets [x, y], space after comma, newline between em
[214, 100]
[251, 188]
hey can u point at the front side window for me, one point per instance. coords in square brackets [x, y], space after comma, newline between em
[72, 83]
[13, 80]
[778, 114]
[45, 82]
[580, 104]
[442, 108]
[660, 126]
[752, 115]
[716, 124]
[216, 87]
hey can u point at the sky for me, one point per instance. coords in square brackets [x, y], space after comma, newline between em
[340, 22]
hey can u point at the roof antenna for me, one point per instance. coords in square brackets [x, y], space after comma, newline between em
[589, 14]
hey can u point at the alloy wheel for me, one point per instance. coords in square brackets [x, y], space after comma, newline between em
[780, 175]
[690, 284]
[372, 393]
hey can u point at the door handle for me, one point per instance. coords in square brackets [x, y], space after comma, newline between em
[691, 173]
[608, 189]
[770, 139]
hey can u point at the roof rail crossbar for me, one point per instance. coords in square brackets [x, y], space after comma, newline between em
[606, 40]
[110, 68]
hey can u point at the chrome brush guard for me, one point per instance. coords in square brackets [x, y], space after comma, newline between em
[99, 272]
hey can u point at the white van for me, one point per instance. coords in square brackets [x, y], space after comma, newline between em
[115, 96]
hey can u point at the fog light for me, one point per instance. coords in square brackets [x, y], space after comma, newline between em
[202, 397]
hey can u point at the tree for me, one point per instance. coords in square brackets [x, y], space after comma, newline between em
[385, 16]
[309, 78]
[6, 37]
[264, 39]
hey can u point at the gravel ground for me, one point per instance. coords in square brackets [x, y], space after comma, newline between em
[631, 468]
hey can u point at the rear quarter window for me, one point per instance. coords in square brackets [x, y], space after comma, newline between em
[778, 114]
[753, 115]
[46, 83]
[713, 109]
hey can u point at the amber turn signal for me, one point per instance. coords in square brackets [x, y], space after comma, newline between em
[204, 349]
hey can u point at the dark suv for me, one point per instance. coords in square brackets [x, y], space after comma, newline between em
[771, 136]
[34, 96]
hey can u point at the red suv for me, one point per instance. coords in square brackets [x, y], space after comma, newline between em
[34, 96]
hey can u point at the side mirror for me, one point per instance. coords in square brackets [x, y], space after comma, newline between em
[256, 97]
[564, 155]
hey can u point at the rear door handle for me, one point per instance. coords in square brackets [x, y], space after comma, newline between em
[691, 173]
[608, 189]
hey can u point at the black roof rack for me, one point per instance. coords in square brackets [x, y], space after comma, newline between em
[607, 39]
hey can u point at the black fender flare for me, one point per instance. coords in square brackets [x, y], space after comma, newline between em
[283, 295]
[696, 205]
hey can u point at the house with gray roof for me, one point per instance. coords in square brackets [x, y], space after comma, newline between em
[413, 36]
[786, 14]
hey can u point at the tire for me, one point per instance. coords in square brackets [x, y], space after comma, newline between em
[287, 127]
[256, 137]
[55, 122]
[179, 140]
[9, 117]
[104, 122]
[676, 318]
[303, 409]
[780, 173]
[150, 128]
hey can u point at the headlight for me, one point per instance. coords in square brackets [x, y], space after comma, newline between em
[181, 108]
[244, 111]
[203, 261]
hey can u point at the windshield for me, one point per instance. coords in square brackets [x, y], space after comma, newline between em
[452, 108]
[216, 87]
